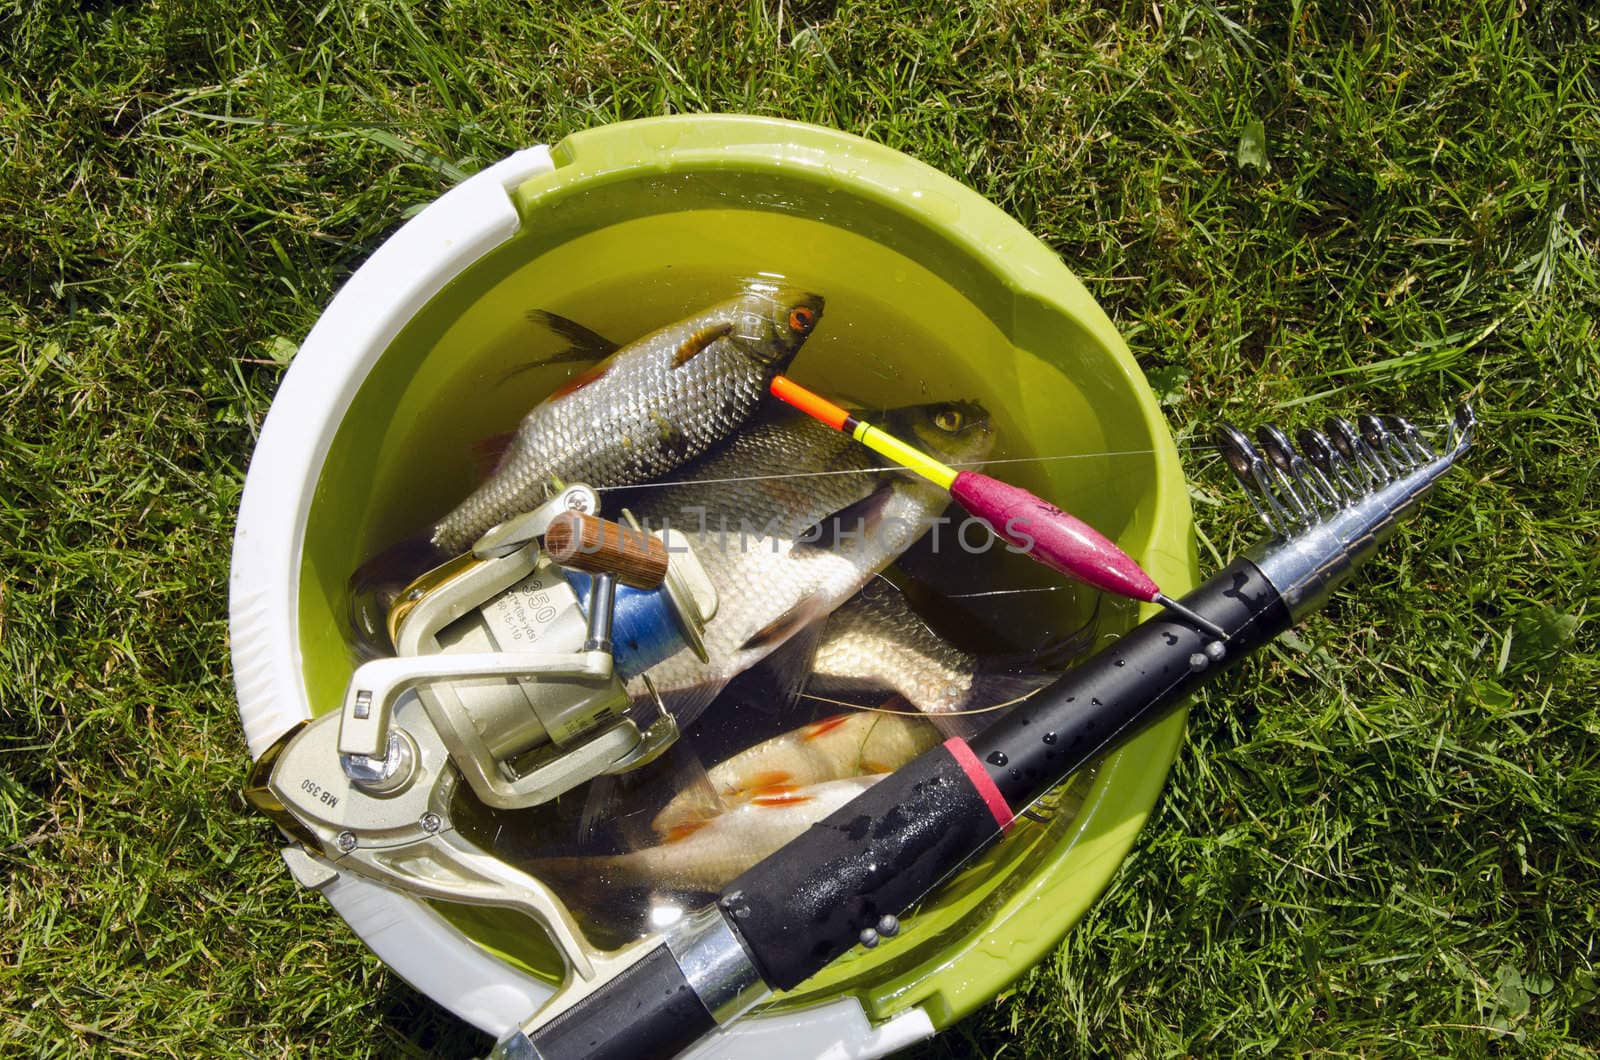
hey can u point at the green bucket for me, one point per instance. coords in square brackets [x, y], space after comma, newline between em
[638, 223]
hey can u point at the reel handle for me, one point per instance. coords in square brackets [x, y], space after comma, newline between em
[600, 546]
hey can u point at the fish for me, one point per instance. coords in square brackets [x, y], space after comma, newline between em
[790, 519]
[703, 854]
[644, 410]
[841, 747]
[876, 643]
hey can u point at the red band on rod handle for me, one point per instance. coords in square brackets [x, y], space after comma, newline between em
[1049, 535]
[985, 785]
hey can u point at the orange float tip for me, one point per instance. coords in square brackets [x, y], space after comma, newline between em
[813, 405]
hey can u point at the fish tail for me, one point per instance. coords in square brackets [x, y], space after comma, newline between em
[996, 686]
[377, 583]
[1059, 651]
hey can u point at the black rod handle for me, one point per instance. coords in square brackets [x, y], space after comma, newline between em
[649, 1010]
[873, 858]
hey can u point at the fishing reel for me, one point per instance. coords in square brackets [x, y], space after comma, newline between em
[512, 673]
[524, 682]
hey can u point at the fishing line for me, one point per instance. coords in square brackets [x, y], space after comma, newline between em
[1082, 456]
[1002, 592]
[923, 713]
[880, 470]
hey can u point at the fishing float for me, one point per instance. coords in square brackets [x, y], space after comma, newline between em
[1037, 528]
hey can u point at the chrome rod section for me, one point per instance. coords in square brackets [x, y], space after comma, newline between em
[1308, 566]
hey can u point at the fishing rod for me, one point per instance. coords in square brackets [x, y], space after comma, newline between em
[846, 880]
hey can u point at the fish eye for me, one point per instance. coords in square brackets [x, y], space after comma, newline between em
[801, 318]
[949, 420]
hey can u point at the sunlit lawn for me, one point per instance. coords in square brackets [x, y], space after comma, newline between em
[1382, 837]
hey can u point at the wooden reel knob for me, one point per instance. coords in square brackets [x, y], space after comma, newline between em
[600, 546]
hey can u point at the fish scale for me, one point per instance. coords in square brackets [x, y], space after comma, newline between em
[876, 641]
[876, 644]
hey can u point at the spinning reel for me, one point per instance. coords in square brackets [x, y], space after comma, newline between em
[512, 673]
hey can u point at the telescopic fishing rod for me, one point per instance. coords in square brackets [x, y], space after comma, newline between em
[847, 879]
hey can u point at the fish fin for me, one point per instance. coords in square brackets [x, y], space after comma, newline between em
[699, 341]
[787, 668]
[614, 801]
[768, 778]
[871, 767]
[684, 829]
[781, 798]
[587, 345]
[687, 704]
[789, 643]
[599, 802]
[669, 434]
[826, 725]
[885, 759]
[769, 790]
[693, 796]
[778, 632]
[855, 522]
[488, 453]
[594, 373]
[1057, 652]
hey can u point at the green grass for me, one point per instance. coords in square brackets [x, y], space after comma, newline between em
[1382, 838]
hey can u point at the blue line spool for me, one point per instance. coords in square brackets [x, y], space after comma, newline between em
[644, 630]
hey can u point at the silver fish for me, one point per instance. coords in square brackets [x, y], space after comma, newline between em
[759, 510]
[877, 644]
[842, 747]
[650, 407]
[703, 854]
